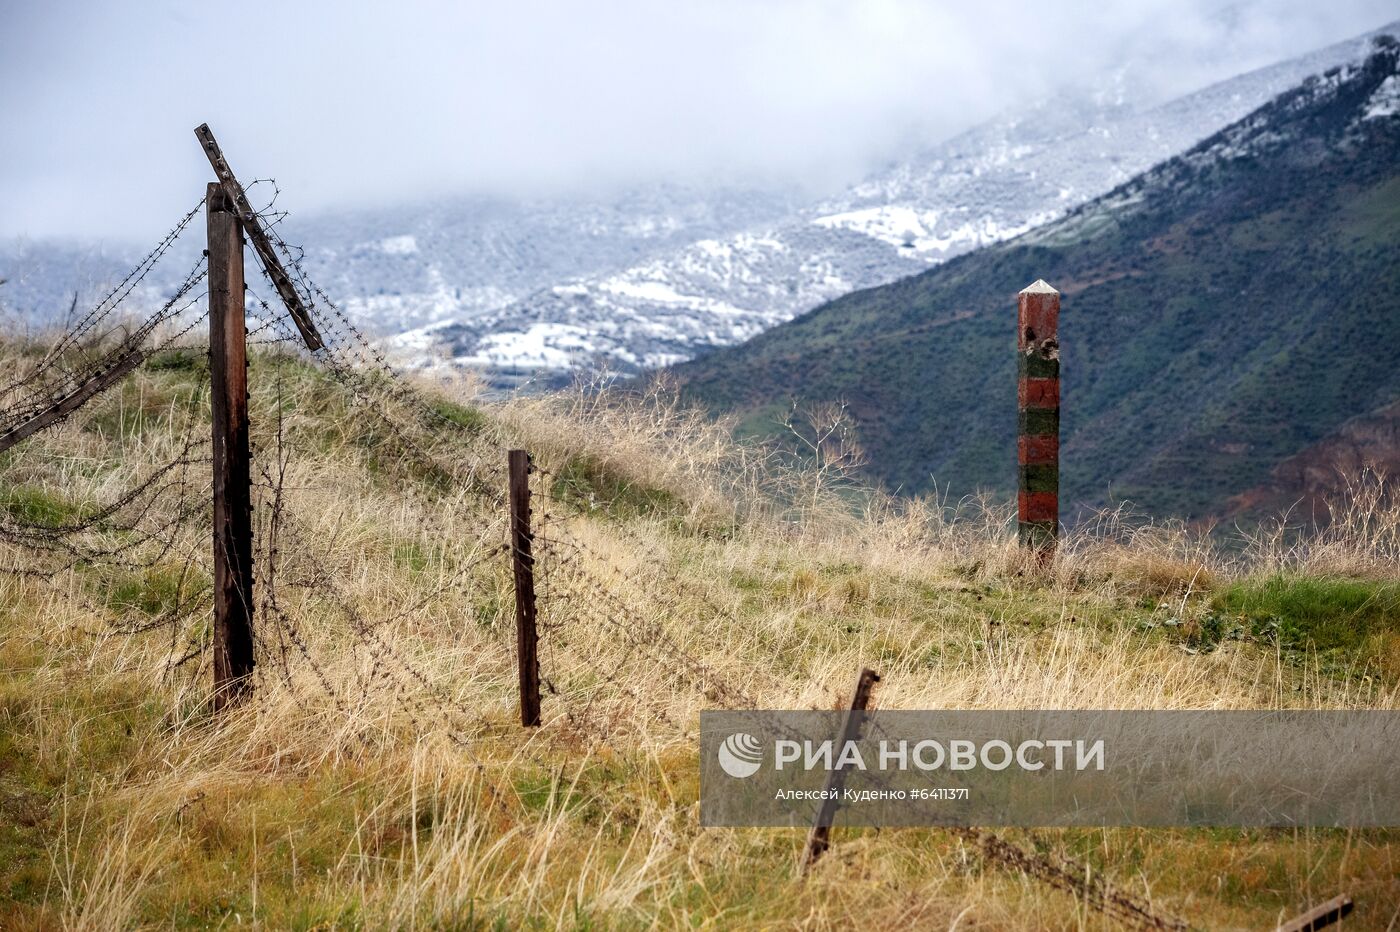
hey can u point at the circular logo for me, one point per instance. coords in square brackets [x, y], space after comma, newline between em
[740, 755]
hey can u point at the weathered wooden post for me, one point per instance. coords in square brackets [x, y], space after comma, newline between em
[523, 563]
[233, 510]
[1038, 436]
[820, 838]
[230, 216]
[262, 245]
[1334, 910]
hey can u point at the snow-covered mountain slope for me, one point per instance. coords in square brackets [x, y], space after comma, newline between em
[399, 268]
[1222, 313]
[714, 292]
[664, 273]
[404, 268]
[992, 183]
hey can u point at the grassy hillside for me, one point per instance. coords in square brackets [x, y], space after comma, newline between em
[1220, 313]
[378, 777]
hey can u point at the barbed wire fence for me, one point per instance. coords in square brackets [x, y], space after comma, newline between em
[138, 528]
[577, 593]
[456, 473]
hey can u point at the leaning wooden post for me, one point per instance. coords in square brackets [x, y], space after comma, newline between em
[1334, 910]
[523, 561]
[233, 511]
[1038, 440]
[820, 839]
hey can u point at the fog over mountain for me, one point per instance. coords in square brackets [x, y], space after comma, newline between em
[372, 105]
[992, 183]
[629, 190]
[1216, 338]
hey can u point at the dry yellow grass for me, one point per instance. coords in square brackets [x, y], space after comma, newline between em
[353, 793]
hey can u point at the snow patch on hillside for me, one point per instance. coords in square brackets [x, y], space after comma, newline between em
[541, 346]
[405, 245]
[1385, 101]
[906, 227]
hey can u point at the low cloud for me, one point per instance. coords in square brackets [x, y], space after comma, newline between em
[365, 104]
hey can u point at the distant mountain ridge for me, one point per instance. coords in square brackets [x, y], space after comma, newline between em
[984, 186]
[1222, 312]
[397, 268]
[649, 277]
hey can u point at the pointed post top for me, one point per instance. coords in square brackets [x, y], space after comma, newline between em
[1039, 286]
[262, 246]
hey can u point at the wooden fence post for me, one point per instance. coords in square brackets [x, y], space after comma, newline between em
[1334, 910]
[233, 510]
[820, 839]
[1038, 434]
[523, 562]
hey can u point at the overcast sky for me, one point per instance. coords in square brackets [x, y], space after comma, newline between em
[350, 103]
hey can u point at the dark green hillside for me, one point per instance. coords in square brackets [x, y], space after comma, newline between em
[1221, 312]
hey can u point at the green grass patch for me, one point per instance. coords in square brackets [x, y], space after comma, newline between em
[472, 420]
[156, 590]
[1329, 614]
[161, 405]
[181, 359]
[544, 790]
[33, 505]
[592, 485]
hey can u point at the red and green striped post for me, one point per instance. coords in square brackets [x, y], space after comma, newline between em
[1038, 435]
